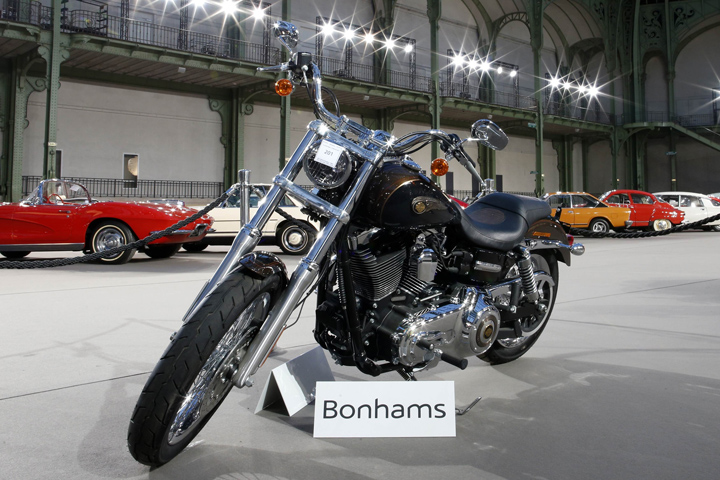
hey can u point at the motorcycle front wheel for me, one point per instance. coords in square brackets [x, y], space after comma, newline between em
[194, 375]
[508, 349]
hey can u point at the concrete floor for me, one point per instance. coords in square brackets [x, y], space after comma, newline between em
[623, 384]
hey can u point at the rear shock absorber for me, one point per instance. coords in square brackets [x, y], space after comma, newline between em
[525, 268]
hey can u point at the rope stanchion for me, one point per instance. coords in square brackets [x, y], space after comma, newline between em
[109, 253]
[678, 228]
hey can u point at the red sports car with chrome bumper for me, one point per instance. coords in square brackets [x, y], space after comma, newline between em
[61, 215]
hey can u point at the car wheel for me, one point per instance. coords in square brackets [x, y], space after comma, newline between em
[15, 254]
[112, 234]
[195, 247]
[661, 224]
[295, 238]
[599, 225]
[162, 251]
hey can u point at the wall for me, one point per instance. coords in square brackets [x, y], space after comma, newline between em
[177, 136]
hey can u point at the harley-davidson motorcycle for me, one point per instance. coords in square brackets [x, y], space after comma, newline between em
[405, 277]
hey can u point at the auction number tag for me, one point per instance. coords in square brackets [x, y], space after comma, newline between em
[328, 154]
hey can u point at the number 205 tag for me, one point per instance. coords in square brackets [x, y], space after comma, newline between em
[328, 154]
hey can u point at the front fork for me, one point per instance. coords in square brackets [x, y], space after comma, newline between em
[307, 271]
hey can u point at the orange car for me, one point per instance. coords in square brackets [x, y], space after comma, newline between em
[582, 210]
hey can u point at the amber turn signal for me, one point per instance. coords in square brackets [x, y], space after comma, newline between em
[439, 167]
[284, 87]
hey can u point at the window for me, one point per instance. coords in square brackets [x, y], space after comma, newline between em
[642, 199]
[583, 201]
[673, 200]
[562, 201]
[620, 198]
[131, 169]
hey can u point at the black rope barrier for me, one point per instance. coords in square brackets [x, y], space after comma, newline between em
[109, 253]
[677, 228]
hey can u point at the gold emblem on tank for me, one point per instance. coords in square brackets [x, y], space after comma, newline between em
[419, 207]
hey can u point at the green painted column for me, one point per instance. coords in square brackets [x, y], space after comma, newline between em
[535, 11]
[23, 85]
[585, 155]
[54, 55]
[673, 161]
[225, 109]
[5, 115]
[614, 154]
[559, 147]
[434, 11]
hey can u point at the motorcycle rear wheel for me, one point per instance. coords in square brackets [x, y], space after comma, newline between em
[194, 375]
[507, 350]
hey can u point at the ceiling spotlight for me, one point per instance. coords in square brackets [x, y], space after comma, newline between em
[258, 13]
[197, 3]
[593, 91]
[349, 34]
[582, 89]
[485, 66]
[566, 85]
[390, 43]
[228, 7]
[327, 30]
[458, 60]
[513, 73]
[369, 38]
[554, 82]
[499, 69]
[473, 64]
[409, 48]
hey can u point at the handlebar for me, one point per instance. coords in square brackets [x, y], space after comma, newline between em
[450, 143]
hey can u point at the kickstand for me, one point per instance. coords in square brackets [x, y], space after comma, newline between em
[408, 376]
[463, 411]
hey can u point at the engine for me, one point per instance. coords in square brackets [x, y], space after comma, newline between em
[408, 317]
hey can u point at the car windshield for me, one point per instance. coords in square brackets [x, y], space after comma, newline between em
[621, 198]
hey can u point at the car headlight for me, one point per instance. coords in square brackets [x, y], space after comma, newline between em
[327, 165]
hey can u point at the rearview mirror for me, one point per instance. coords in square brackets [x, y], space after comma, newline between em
[287, 33]
[489, 134]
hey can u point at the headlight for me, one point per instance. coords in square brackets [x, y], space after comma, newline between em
[327, 165]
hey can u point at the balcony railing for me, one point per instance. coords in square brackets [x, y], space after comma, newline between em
[486, 95]
[26, 11]
[114, 187]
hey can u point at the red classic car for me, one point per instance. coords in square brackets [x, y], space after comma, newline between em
[645, 209]
[61, 215]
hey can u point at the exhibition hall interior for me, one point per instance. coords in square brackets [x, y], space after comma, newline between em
[317, 239]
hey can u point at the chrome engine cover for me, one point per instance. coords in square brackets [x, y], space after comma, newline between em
[466, 326]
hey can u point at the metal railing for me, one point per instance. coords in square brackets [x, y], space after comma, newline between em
[26, 11]
[115, 187]
[486, 95]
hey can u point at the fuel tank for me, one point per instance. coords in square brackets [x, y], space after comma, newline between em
[401, 196]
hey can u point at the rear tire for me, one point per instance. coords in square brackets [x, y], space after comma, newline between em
[112, 234]
[194, 247]
[162, 251]
[507, 350]
[194, 374]
[599, 225]
[14, 255]
[295, 238]
[660, 224]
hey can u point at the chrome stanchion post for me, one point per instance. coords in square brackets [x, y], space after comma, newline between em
[244, 181]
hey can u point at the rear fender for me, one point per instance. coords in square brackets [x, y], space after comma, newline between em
[550, 229]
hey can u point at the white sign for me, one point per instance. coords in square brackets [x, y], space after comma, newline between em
[385, 409]
[328, 154]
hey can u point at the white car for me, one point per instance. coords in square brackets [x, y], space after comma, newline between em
[294, 236]
[695, 205]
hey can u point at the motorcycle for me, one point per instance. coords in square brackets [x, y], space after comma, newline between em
[405, 277]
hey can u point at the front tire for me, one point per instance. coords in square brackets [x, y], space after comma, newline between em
[508, 349]
[112, 234]
[194, 375]
[14, 254]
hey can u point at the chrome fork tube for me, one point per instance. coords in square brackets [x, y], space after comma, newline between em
[249, 236]
[300, 282]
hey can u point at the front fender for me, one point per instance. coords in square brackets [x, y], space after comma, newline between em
[550, 229]
[264, 264]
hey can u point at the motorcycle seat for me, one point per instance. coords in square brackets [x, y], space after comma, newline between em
[500, 220]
